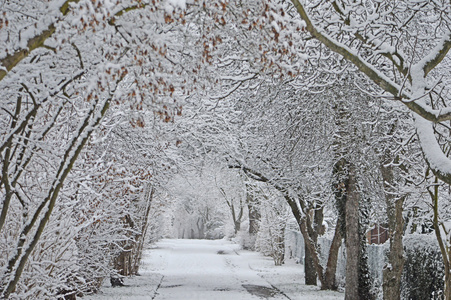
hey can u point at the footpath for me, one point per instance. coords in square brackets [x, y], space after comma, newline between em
[219, 270]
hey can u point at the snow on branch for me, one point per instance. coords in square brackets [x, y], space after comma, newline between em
[376, 76]
[11, 60]
[437, 54]
[429, 62]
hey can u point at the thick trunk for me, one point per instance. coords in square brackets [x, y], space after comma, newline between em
[352, 236]
[312, 248]
[309, 268]
[391, 273]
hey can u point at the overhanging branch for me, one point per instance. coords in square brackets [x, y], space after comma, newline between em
[377, 77]
[10, 61]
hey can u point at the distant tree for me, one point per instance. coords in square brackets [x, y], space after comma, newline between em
[254, 205]
[275, 214]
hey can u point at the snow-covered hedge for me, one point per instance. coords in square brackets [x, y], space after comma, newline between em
[423, 268]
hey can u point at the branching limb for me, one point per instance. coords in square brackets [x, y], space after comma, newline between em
[429, 62]
[10, 61]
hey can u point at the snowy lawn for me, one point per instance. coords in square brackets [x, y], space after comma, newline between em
[205, 269]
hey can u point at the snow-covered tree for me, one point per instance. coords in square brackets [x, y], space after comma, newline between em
[402, 49]
[63, 65]
[275, 214]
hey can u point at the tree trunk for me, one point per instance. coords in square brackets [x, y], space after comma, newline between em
[329, 282]
[311, 245]
[309, 267]
[278, 241]
[391, 272]
[443, 244]
[237, 226]
[254, 219]
[352, 236]
[201, 227]
[447, 285]
[299, 210]
[16, 264]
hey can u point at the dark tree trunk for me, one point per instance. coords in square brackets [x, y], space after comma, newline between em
[309, 268]
[311, 244]
[391, 272]
[317, 226]
[352, 236]
[237, 226]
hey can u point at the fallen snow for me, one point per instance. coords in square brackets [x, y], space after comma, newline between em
[206, 269]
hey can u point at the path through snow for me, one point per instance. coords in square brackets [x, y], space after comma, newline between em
[205, 269]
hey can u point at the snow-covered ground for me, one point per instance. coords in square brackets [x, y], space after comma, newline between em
[205, 269]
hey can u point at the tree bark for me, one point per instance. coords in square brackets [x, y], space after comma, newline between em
[329, 282]
[254, 214]
[391, 272]
[447, 286]
[352, 236]
[309, 267]
[444, 248]
[254, 218]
